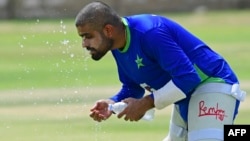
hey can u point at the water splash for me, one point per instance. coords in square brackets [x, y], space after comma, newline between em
[98, 128]
[64, 45]
[24, 37]
[20, 45]
[65, 42]
[72, 55]
[63, 27]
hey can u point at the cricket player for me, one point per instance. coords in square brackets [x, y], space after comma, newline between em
[155, 54]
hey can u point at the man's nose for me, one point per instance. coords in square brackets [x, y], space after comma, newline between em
[85, 43]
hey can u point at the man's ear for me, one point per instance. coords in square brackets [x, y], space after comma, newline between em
[108, 30]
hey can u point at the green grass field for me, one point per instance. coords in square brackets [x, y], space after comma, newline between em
[48, 82]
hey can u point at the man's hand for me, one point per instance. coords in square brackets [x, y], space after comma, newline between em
[100, 110]
[136, 108]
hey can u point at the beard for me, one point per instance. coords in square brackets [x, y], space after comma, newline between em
[106, 45]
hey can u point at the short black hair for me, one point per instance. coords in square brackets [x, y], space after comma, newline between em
[97, 14]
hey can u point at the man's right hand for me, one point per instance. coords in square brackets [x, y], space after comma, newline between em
[100, 110]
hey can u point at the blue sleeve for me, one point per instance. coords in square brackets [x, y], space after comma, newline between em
[129, 88]
[163, 45]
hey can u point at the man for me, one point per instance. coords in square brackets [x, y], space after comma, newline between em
[156, 54]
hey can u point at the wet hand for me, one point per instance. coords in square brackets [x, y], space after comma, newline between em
[100, 111]
[133, 112]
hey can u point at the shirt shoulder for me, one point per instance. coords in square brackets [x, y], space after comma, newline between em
[146, 22]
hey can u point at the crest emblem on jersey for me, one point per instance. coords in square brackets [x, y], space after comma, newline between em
[139, 61]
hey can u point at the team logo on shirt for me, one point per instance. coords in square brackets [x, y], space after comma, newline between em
[139, 62]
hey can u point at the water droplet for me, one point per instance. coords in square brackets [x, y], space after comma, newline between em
[65, 42]
[63, 60]
[66, 116]
[63, 26]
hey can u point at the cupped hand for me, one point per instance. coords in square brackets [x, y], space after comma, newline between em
[100, 111]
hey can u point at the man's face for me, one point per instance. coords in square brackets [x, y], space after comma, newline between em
[95, 42]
